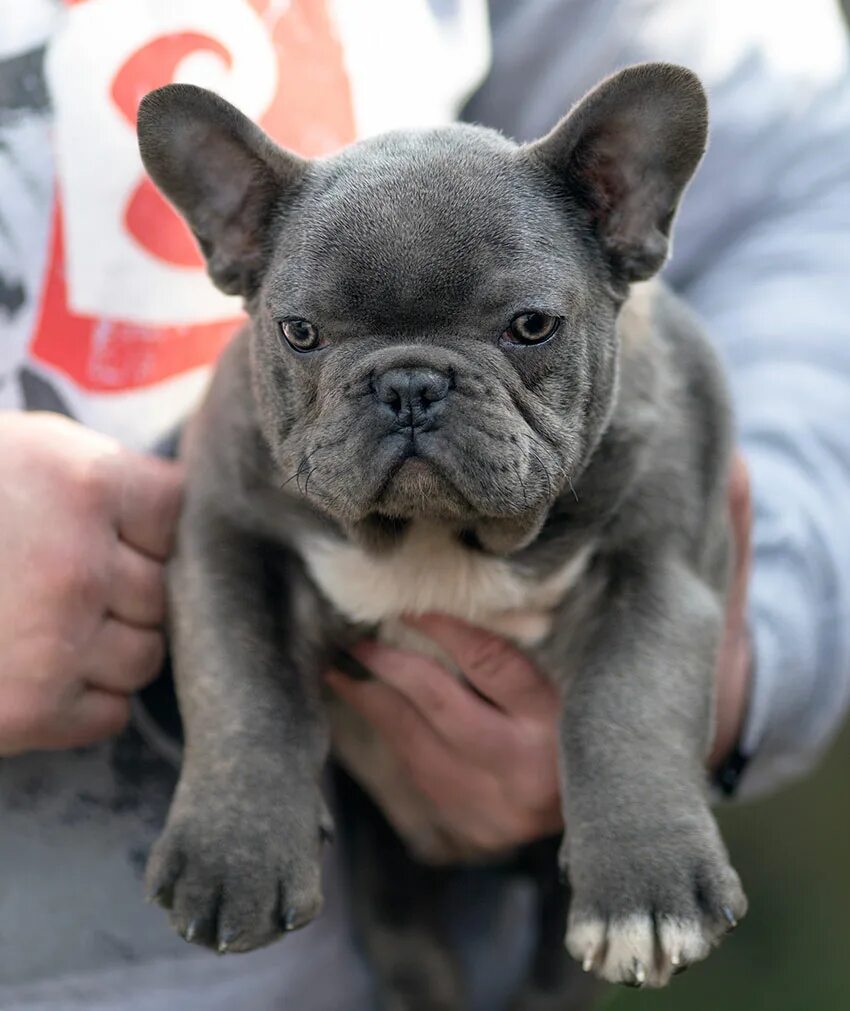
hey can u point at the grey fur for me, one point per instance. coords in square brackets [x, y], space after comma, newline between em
[411, 253]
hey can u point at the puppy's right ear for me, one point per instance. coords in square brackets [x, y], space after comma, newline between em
[227, 178]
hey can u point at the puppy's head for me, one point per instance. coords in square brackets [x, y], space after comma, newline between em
[434, 313]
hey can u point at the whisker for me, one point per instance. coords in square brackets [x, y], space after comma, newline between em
[297, 473]
[542, 466]
[575, 493]
[300, 471]
[305, 460]
[521, 484]
[307, 481]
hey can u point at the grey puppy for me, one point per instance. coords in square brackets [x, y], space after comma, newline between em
[454, 394]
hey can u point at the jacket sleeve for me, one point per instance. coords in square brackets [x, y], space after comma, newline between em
[762, 252]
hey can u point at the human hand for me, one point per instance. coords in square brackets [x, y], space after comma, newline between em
[483, 753]
[487, 756]
[85, 526]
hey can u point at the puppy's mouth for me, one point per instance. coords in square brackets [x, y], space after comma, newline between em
[416, 484]
[412, 467]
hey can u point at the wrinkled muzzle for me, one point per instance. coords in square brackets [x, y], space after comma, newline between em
[417, 431]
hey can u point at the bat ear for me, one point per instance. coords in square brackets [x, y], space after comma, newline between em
[226, 177]
[627, 150]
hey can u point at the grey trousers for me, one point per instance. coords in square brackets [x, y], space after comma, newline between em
[76, 935]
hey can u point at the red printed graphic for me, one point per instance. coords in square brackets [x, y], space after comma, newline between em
[149, 218]
[310, 111]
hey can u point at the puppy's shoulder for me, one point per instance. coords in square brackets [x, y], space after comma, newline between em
[226, 457]
[674, 411]
[657, 327]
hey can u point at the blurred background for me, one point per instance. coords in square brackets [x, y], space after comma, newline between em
[791, 953]
[793, 854]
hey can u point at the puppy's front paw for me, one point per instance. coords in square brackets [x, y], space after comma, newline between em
[234, 882]
[652, 907]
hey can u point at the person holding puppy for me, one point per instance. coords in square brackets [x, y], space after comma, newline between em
[87, 519]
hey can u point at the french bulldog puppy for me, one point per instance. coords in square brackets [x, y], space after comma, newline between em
[456, 393]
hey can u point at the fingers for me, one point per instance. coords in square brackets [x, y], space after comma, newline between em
[45, 713]
[137, 590]
[439, 773]
[473, 803]
[123, 658]
[465, 722]
[95, 716]
[149, 503]
[495, 667]
[37, 716]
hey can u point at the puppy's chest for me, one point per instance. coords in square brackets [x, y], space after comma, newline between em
[428, 572]
[432, 572]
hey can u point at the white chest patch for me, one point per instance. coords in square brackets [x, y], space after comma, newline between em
[432, 572]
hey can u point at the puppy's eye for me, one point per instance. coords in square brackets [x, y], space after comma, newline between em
[531, 328]
[301, 334]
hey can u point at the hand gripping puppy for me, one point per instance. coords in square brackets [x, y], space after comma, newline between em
[455, 393]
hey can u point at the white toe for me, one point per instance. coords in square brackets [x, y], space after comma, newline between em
[682, 941]
[585, 942]
[630, 951]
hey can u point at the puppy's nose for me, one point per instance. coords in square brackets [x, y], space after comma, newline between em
[410, 394]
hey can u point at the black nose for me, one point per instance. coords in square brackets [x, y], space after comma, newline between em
[410, 394]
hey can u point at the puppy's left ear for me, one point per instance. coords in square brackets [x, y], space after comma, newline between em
[227, 178]
[626, 152]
